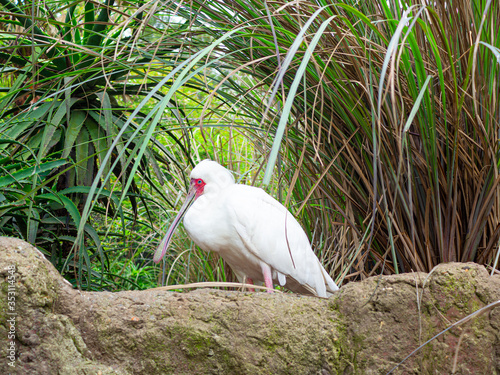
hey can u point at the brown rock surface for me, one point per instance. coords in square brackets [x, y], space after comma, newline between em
[365, 328]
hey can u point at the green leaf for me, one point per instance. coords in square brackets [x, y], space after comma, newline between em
[89, 21]
[53, 124]
[76, 122]
[31, 171]
[65, 202]
[32, 224]
[82, 156]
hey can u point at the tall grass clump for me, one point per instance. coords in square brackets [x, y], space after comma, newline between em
[386, 117]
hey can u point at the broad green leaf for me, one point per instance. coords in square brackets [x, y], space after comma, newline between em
[30, 171]
[33, 218]
[53, 124]
[76, 122]
[82, 156]
[24, 121]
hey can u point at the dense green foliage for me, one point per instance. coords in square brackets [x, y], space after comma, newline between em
[67, 69]
[377, 124]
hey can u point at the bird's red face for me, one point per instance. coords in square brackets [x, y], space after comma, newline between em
[198, 185]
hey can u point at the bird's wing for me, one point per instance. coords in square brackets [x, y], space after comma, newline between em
[273, 235]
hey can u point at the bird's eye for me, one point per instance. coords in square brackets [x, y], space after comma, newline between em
[199, 182]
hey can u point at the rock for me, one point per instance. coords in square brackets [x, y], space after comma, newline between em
[365, 328]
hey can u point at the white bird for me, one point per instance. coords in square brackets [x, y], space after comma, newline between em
[253, 232]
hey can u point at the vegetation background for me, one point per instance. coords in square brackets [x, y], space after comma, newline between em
[377, 123]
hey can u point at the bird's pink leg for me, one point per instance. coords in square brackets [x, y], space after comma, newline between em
[268, 279]
[249, 281]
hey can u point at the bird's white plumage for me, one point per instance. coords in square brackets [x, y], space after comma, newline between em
[249, 229]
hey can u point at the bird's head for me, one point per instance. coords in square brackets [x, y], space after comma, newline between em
[207, 177]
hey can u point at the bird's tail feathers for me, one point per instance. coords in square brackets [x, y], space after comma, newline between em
[331, 286]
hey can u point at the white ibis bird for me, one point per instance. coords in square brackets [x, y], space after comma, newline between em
[253, 232]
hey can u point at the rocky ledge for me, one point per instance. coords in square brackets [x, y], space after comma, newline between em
[47, 327]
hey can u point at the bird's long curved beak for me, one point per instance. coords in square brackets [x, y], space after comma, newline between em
[162, 249]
